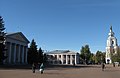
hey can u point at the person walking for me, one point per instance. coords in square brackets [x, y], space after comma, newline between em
[41, 68]
[103, 66]
[113, 64]
[33, 67]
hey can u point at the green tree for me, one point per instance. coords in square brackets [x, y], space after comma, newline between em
[40, 56]
[2, 41]
[45, 58]
[103, 57]
[32, 53]
[100, 57]
[116, 57]
[92, 58]
[85, 53]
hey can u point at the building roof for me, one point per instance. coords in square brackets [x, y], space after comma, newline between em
[11, 34]
[61, 52]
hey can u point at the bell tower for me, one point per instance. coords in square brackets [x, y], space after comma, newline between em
[112, 46]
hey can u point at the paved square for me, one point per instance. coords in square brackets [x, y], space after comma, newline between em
[64, 72]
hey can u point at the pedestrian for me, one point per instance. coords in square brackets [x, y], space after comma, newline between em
[33, 67]
[113, 64]
[41, 68]
[38, 66]
[118, 64]
[103, 66]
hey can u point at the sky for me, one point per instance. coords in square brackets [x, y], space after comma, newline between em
[63, 24]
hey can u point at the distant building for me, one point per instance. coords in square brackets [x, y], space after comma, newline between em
[17, 47]
[63, 57]
[112, 46]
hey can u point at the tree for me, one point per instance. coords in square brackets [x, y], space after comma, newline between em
[32, 53]
[92, 58]
[85, 53]
[103, 57]
[100, 57]
[116, 57]
[40, 56]
[2, 41]
[45, 58]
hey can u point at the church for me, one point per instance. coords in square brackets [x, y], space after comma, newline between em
[112, 46]
[17, 47]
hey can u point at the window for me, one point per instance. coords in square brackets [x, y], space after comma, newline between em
[112, 43]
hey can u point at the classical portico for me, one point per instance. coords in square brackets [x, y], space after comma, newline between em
[63, 57]
[17, 46]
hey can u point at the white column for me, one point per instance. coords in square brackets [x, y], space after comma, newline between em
[62, 58]
[26, 54]
[75, 59]
[66, 59]
[10, 45]
[14, 53]
[71, 58]
[23, 54]
[18, 53]
[58, 59]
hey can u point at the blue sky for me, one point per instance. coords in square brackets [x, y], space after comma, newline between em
[63, 24]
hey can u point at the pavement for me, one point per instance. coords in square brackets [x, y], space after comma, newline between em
[80, 71]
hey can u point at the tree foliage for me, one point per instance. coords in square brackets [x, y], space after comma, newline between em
[85, 53]
[116, 57]
[32, 52]
[92, 58]
[2, 41]
[100, 57]
[34, 55]
[40, 56]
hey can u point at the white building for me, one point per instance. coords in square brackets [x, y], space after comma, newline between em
[63, 57]
[112, 46]
[17, 47]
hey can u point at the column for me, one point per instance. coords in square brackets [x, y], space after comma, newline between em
[18, 53]
[6, 54]
[23, 54]
[62, 59]
[14, 53]
[26, 54]
[10, 45]
[71, 59]
[58, 59]
[66, 59]
[75, 59]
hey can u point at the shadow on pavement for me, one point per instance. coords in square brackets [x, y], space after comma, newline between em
[47, 67]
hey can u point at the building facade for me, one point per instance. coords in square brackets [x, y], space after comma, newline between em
[63, 57]
[17, 47]
[112, 46]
